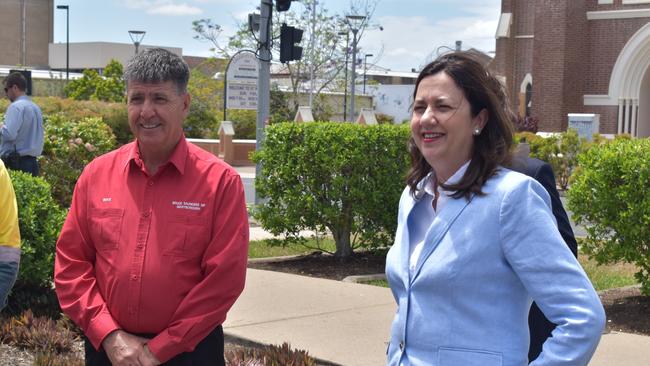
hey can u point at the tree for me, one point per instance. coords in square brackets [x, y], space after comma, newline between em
[207, 96]
[92, 86]
[323, 47]
[342, 178]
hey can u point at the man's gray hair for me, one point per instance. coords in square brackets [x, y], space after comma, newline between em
[157, 65]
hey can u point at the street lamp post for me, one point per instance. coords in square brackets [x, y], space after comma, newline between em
[345, 87]
[365, 69]
[354, 22]
[67, 39]
[136, 37]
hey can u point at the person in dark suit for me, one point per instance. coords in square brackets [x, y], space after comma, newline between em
[540, 328]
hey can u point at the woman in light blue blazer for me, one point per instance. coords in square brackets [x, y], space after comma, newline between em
[476, 243]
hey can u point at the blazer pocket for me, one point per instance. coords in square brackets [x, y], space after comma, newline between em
[449, 356]
[106, 227]
[188, 236]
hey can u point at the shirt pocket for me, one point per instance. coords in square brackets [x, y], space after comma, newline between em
[106, 227]
[187, 235]
[449, 356]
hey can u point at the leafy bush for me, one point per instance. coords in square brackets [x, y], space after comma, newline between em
[609, 196]
[207, 96]
[114, 114]
[68, 147]
[340, 177]
[40, 219]
[280, 111]
[244, 122]
[271, 355]
[92, 86]
[560, 151]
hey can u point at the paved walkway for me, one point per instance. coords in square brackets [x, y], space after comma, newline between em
[348, 323]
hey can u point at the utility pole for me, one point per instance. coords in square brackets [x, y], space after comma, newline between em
[313, 49]
[263, 81]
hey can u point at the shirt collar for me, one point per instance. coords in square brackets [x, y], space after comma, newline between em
[177, 159]
[455, 178]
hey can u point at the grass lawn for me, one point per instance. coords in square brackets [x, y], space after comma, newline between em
[260, 248]
[602, 277]
[608, 276]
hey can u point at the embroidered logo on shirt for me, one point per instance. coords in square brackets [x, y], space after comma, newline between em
[107, 199]
[184, 205]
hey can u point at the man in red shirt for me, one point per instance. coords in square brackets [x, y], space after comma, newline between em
[153, 252]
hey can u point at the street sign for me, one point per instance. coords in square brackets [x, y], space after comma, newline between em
[241, 81]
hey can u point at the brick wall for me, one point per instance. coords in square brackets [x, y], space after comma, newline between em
[569, 56]
[606, 40]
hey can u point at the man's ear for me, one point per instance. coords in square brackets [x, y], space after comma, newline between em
[187, 99]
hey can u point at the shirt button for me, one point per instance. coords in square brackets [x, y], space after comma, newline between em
[401, 346]
[134, 278]
[150, 183]
[145, 214]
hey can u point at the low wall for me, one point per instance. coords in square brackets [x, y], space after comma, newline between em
[242, 150]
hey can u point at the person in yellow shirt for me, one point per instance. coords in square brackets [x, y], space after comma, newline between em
[9, 236]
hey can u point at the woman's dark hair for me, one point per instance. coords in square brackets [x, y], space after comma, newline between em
[492, 146]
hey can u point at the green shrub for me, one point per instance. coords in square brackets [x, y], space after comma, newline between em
[91, 86]
[609, 196]
[40, 219]
[340, 177]
[114, 114]
[68, 147]
[244, 122]
[560, 151]
[205, 112]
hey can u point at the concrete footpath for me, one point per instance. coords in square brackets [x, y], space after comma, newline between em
[348, 323]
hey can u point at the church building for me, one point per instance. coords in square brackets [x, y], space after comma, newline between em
[561, 57]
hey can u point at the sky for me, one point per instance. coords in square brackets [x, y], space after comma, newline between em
[412, 29]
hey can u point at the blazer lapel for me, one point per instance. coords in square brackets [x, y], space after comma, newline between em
[438, 229]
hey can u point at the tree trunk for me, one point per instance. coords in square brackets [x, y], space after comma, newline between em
[343, 246]
[341, 233]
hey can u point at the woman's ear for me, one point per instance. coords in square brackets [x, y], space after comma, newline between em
[481, 119]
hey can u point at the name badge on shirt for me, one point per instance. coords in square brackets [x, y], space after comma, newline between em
[185, 205]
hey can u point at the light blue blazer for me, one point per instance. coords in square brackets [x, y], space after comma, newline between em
[482, 265]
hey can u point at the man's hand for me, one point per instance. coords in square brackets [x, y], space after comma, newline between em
[123, 348]
[147, 358]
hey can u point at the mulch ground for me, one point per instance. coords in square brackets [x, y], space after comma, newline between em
[627, 311]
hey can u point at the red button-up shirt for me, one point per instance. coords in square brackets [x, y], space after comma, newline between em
[162, 254]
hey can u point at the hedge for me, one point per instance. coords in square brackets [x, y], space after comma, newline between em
[340, 177]
[69, 146]
[608, 195]
[40, 219]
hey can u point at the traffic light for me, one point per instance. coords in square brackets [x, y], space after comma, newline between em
[289, 37]
[282, 5]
